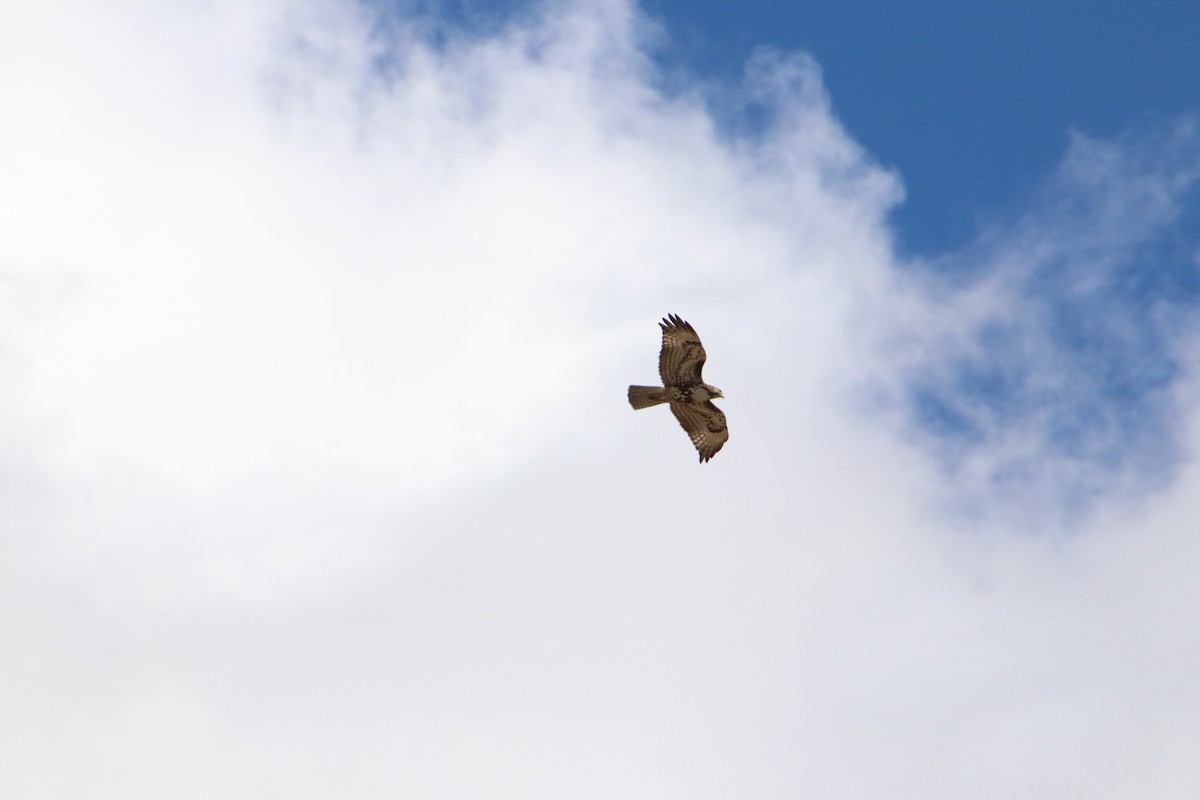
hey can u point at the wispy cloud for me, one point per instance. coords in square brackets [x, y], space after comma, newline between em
[1073, 328]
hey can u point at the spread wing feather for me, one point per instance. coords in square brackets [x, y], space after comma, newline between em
[705, 424]
[682, 356]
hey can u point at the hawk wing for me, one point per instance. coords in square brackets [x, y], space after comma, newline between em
[705, 424]
[682, 356]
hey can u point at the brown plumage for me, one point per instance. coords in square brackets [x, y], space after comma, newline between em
[679, 364]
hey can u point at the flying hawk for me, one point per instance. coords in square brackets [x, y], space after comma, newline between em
[679, 366]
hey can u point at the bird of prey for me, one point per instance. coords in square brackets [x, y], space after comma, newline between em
[679, 364]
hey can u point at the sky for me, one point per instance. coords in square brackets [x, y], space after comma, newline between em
[317, 476]
[972, 103]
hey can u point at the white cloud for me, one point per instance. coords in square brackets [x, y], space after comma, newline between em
[319, 479]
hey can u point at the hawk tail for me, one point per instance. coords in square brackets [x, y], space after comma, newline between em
[646, 396]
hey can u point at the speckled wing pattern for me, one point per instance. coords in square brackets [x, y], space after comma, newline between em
[680, 363]
[682, 356]
[705, 425]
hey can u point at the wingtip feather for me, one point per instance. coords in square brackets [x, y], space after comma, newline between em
[676, 321]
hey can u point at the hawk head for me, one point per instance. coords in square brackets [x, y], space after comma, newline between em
[704, 388]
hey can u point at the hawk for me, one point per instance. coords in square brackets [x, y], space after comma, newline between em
[679, 364]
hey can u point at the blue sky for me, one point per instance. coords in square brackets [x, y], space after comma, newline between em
[971, 102]
[318, 479]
